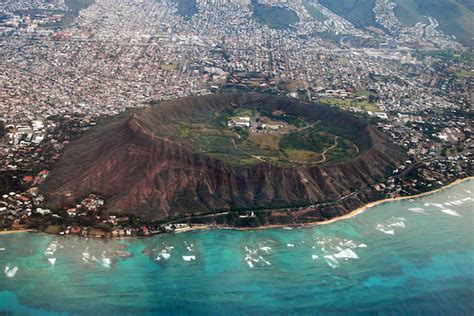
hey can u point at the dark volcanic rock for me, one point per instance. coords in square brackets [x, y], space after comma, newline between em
[142, 170]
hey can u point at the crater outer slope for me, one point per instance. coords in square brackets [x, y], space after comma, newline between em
[140, 168]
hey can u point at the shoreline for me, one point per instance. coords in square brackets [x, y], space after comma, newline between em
[400, 198]
[349, 215]
[16, 231]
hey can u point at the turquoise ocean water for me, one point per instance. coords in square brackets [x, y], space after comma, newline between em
[404, 257]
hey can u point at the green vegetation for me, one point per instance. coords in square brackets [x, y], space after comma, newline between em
[350, 103]
[290, 119]
[329, 36]
[314, 12]
[288, 86]
[456, 17]
[2, 129]
[343, 61]
[378, 78]
[74, 6]
[187, 8]
[310, 139]
[358, 12]
[220, 52]
[407, 13]
[464, 56]
[300, 143]
[465, 73]
[78, 5]
[365, 93]
[370, 95]
[274, 17]
[169, 67]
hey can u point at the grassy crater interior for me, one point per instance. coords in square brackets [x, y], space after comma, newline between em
[252, 133]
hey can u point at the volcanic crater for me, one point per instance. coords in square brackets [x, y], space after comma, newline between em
[218, 156]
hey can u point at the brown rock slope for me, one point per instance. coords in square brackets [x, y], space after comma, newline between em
[141, 169]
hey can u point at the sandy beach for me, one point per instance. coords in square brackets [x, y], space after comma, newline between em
[379, 202]
[350, 214]
[15, 231]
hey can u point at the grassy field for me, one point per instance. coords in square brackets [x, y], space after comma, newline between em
[465, 73]
[350, 103]
[169, 67]
[343, 61]
[309, 139]
[303, 155]
[379, 78]
[304, 143]
[274, 17]
[345, 148]
[365, 93]
[265, 141]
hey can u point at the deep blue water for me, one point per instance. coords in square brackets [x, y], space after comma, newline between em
[404, 257]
